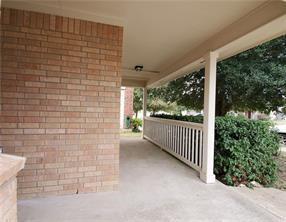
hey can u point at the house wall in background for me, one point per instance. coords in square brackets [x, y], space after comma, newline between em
[126, 105]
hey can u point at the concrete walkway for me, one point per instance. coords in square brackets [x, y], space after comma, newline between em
[271, 199]
[154, 187]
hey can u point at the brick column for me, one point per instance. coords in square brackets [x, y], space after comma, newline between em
[60, 102]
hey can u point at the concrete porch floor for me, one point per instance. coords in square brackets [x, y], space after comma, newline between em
[155, 187]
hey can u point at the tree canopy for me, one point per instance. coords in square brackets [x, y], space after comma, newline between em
[254, 80]
[137, 100]
[155, 102]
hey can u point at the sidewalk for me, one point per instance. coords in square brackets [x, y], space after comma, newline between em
[271, 199]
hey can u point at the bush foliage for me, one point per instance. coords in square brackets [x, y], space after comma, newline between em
[136, 123]
[244, 149]
[195, 119]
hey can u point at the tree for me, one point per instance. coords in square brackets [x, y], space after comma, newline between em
[137, 100]
[254, 80]
[155, 102]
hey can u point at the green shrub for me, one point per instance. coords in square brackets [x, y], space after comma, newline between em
[244, 149]
[136, 123]
[195, 119]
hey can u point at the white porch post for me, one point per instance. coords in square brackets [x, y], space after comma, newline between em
[144, 108]
[207, 174]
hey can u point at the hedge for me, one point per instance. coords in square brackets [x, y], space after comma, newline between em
[195, 119]
[245, 149]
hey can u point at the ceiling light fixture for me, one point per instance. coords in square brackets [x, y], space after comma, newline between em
[138, 68]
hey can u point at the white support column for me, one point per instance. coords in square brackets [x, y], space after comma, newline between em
[144, 108]
[122, 105]
[207, 174]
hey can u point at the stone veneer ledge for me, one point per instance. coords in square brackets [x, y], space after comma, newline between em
[9, 167]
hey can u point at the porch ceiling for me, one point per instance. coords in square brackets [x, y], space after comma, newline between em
[171, 37]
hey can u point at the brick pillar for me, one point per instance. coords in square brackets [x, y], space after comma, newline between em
[60, 102]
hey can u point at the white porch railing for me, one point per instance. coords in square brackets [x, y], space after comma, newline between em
[184, 140]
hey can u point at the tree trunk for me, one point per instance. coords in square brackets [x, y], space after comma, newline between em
[249, 114]
[220, 108]
[220, 112]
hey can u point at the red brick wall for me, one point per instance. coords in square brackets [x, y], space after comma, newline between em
[60, 102]
[128, 102]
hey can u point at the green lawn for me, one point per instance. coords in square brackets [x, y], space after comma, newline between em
[281, 182]
[129, 133]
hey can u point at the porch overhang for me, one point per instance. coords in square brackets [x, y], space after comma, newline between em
[173, 37]
[263, 24]
[133, 83]
[259, 23]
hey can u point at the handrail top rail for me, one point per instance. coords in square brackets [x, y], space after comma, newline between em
[175, 122]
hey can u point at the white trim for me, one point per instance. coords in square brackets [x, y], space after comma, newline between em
[207, 174]
[177, 138]
[122, 106]
[263, 23]
[144, 109]
[195, 167]
[176, 122]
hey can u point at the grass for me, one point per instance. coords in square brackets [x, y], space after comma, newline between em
[281, 182]
[129, 133]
